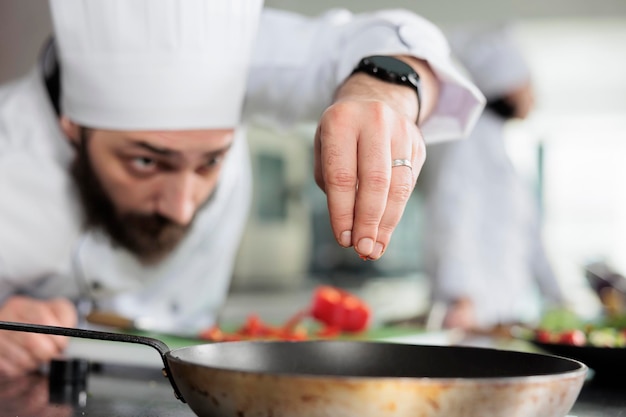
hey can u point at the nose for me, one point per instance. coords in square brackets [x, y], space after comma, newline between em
[177, 199]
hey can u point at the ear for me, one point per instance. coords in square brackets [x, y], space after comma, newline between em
[71, 130]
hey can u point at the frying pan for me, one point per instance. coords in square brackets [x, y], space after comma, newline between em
[357, 378]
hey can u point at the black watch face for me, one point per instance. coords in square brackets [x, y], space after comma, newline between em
[391, 64]
[392, 69]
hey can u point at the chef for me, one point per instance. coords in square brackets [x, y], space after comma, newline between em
[124, 171]
[483, 246]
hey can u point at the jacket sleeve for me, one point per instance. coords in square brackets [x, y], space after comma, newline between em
[298, 63]
[37, 220]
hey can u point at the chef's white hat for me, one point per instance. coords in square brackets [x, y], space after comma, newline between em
[154, 64]
[492, 57]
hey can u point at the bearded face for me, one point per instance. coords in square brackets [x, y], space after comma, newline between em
[143, 189]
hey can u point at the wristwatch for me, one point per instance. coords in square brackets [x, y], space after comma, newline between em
[392, 70]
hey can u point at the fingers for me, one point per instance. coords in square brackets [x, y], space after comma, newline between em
[25, 352]
[355, 145]
[403, 181]
[374, 179]
[15, 359]
[63, 314]
[21, 352]
[461, 315]
[336, 169]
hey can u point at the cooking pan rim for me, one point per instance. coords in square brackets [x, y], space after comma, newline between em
[581, 369]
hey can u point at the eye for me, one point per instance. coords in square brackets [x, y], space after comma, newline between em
[143, 163]
[210, 164]
[215, 160]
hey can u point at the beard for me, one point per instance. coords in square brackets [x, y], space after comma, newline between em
[150, 237]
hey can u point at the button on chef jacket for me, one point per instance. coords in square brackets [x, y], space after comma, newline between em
[297, 63]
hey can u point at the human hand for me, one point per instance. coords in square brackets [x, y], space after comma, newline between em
[522, 100]
[371, 124]
[22, 352]
[356, 141]
[461, 315]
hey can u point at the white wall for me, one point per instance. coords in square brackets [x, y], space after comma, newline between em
[462, 11]
[578, 67]
[24, 24]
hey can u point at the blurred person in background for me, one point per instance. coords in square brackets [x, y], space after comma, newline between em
[125, 178]
[483, 248]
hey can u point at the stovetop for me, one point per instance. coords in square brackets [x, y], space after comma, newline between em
[127, 391]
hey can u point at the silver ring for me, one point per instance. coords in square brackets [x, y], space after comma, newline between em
[401, 163]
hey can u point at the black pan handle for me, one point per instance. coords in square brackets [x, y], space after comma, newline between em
[161, 347]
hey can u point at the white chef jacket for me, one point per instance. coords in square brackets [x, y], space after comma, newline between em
[297, 65]
[482, 237]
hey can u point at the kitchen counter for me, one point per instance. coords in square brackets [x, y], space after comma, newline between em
[600, 401]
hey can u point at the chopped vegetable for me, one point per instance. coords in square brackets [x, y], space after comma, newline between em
[254, 328]
[589, 336]
[564, 326]
[340, 309]
[335, 310]
[545, 336]
[573, 337]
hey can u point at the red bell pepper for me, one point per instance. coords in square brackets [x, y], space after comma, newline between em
[336, 310]
[339, 309]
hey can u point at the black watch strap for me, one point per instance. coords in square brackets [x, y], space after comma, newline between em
[392, 70]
